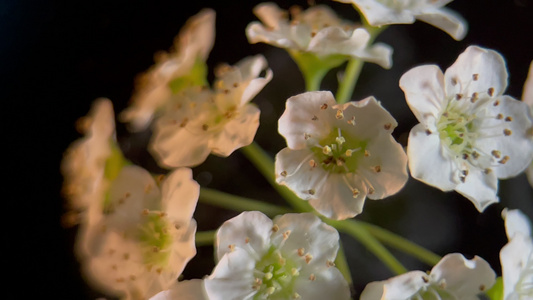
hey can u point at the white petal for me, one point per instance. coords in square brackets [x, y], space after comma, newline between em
[515, 256]
[328, 284]
[296, 121]
[516, 222]
[232, 278]
[424, 91]
[378, 14]
[464, 278]
[397, 288]
[250, 229]
[269, 13]
[184, 290]
[487, 64]
[238, 132]
[480, 188]
[180, 195]
[447, 20]
[428, 161]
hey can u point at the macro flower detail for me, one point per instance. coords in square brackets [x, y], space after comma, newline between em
[517, 257]
[527, 97]
[218, 121]
[145, 235]
[454, 277]
[317, 30]
[290, 257]
[384, 12]
[183, 290]
[182, 67]
[338, 154]
[470, 134]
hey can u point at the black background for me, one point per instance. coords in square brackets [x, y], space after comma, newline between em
[56, 57]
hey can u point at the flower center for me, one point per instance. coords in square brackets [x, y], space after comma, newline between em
[337, 154]
[155, 239]
[456, 131]
[275, 276]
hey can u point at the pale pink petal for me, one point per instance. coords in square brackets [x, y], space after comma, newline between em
[180, 195]
[397, 288]
[447, 20]
[184, 290]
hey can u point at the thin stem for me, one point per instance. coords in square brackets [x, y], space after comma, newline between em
[237, 203]
[265, 164]
[359, 232]
[351, 74]
[205, 238]
[342, 264]
[313, 80]
[402, 244]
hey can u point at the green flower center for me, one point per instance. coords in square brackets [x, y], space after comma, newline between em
[456, 131]
[338, 154]
[155, 239]
[275, 276]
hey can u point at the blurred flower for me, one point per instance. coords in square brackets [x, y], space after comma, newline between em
[316, 30]
[527, 97]
[145, 235]
[339, 153]
[517, 257]
[288, 258]
[469, 133]
[184, 290]
[454, 277]
[383, 12]
[182, 67]
[201, 121]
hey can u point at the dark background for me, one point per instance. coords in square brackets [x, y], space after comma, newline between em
[56, 57]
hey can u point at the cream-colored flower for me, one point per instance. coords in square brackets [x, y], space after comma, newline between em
[383, 12]
[338, 154]
[184, 290]
[470, 134]
[203, 121]
[454, 277]
[527, 97]
[182, 67]
[290, 257]
[317, 30]
[145, 235]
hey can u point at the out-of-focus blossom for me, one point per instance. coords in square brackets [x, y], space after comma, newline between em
[517, 257]
[454, 277]
[384, 12]
[288, 258]
[182, 67]
[338, 154]
[184, 290]
[316, 30]
[527, 97]
[470, 134]
[145, 235]
[203, 121]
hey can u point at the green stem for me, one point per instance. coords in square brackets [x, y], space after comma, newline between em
[265, 164]
[342, 264]
[351, 74]
[359, 232]
[393, 240]
[313, 80]
[229, 201]
[205, 238]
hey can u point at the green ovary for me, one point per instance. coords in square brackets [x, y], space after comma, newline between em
[339, 153]
[279, 276]
[455, 131]
[155, 240]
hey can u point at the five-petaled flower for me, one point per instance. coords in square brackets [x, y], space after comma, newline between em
[338, 154]
[202, 121]
[317, 30]
[384, 12]
[290, 257]
[469, 133]
[517, 257]
[145, 235]
[454, 277]
[182, 67]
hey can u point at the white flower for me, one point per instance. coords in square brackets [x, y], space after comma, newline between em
[517, 257]
[175, 70]
[383, 12]
[339, 153]
[288, 258]
[145, 236]
[454, 277]
[527, 97]
[317, 30]
[469, 133]
[184, 290]
[204, 121]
